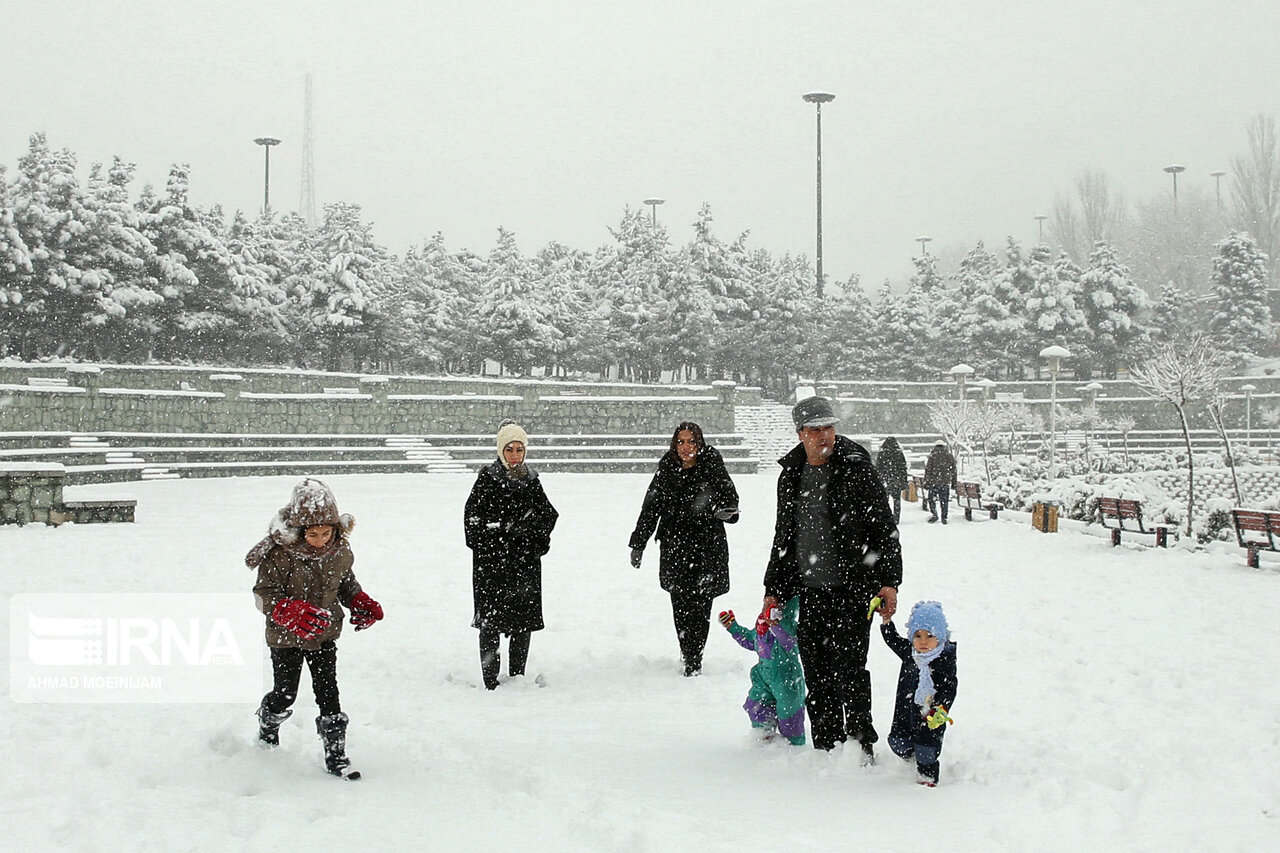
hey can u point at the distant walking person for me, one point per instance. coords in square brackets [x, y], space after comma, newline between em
[689, 501]
[892, 465]
[835, 545]
[508, 522]
[939, 479]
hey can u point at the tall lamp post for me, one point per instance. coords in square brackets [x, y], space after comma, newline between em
[818, 99]
[1040, 218]
[1055, 354]
[924, 244]
[1174, 169]
[1217, 187]
[1248, 412]
[961, 373]
[266, 142]
[653, 206]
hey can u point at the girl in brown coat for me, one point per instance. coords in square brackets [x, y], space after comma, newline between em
[304, 581]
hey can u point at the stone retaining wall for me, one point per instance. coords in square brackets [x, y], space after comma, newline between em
[31, 492]
[232, 403]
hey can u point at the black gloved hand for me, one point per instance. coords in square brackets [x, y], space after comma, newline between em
[636, 554]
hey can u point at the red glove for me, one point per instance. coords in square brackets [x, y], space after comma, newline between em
[301, 617]
[364, 611]
[726, 618]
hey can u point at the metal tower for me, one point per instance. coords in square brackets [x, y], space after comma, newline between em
[307, 204]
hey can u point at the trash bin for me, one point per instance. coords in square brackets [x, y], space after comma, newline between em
[1044, 517]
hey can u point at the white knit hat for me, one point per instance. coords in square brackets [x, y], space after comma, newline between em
[510, 431]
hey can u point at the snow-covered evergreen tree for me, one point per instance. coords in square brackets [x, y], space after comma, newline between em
[353, 267]
[1052, 309]
[15, 262]
[1241, 320]
[516, 321]
[1116, 310]
[991, 316]
[845, 329]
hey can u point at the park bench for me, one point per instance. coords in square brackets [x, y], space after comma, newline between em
[1121, 510]
[971, 495]
[1256, 531]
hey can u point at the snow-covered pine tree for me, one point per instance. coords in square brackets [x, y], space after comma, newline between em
[991, 317]
[1241, 319]
[1052, 309]
[353, 262]
[15, 262]
[636, 276]
[1116, 310]
[785, 333]
[515, 319]
[845, 330]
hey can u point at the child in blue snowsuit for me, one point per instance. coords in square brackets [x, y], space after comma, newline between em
[776, 698]
[926, 687]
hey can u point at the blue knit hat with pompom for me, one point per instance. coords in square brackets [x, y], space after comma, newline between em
[928, 616]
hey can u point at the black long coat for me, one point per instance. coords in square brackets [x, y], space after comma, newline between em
[891, 463]
[680, 505]
[508, 526]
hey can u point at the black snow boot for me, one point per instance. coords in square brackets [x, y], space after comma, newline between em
[333, 733]
[269, 724]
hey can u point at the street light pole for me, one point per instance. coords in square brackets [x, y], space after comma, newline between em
[1055, 354]
[1040, 218]
[1248, 412]
[266, 142]
[923, 241]
[1217, 187]
[1174, 170]
[961, 372]
[653, 206]
[818, 99]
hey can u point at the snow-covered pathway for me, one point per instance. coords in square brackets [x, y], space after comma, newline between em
[1114, 698]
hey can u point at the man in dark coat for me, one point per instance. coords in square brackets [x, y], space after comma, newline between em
[891, 463]
[689, 500]
[835, 544]
[939, 479]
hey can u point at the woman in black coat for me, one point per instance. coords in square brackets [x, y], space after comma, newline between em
[689, 501]
[891, 463]
[508, 522]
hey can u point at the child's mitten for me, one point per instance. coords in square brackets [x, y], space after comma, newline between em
[364, 611]
[726, 618]
[301, 617]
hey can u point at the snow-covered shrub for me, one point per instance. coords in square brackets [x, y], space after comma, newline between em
[1216, 523]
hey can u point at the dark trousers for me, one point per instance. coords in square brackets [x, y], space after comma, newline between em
[922, 743]
[939, 495]
[897, 507]
[286, 672]
[834, 634]
[692, 617]
[491, 656]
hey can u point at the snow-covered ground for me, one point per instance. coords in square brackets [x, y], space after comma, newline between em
[1115, 699]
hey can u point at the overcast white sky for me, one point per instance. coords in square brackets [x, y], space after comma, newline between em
[960, 120]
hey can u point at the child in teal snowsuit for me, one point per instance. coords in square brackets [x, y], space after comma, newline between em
[776, 698]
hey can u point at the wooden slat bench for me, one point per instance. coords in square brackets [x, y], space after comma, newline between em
[971, 495]
[1256, 530]
[1121, 510]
